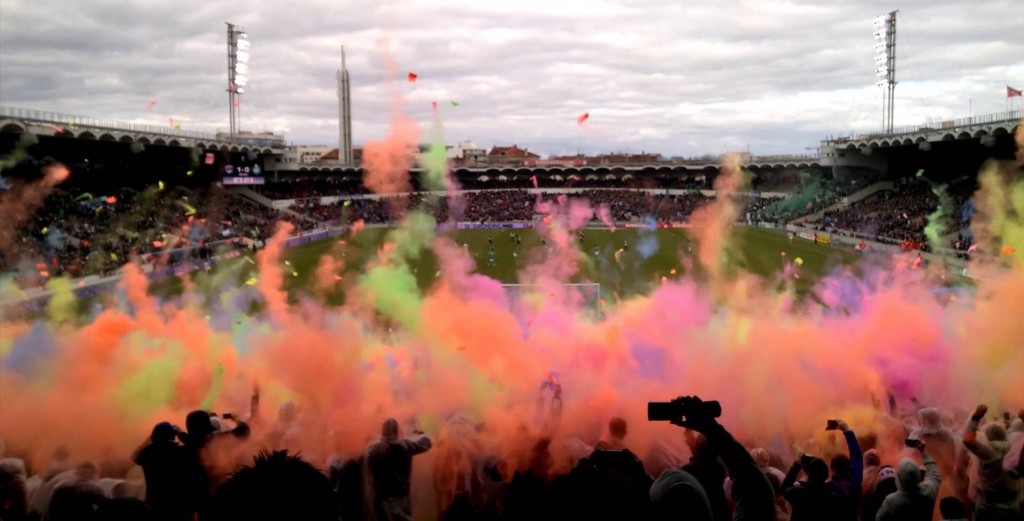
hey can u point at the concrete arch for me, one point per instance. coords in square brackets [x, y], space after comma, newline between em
[802, 165]
[126, 139]
[664, 168]
[86, 135]
[13, 127]
[650, 171]
[303, 169]
[200, 145]
[224, 148]
[586, 170]
[790, 166]
[873, 144]
[107, 137]
[523, 170]
[815, 165]
[980, 133]
[920, 140]
[234, 148]
[245, 149]
[964, 135]
[174, 143]
[144, 140]
[267, 151]
[591, 177]
[159, 141]
[948, 137]
[883, 143]
[908, 141]
[493, 171]
[851, 146]
[1000, 131]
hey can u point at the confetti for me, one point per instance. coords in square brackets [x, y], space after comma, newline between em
[602, 302]
[81, 283]
[189, 173]
[57, 129]
[113, 256]
[151, 103]
[783, 254]
[177, 126]
[533, 179]
[437, 274]
[583, 117]
[412, 77]
[972, 248]
[160, 185]
[1008, 250]
[346, 203]
[337, 278]
[547, 219]
[158, 244]
[44, 231]
[433, 104]
[672, 271]
[251, 282]
[905, 216]
[455, 103]
[798, 261]
[44, 273]
[84, 196]
[111, 200]
[171, 121]
[40, 265]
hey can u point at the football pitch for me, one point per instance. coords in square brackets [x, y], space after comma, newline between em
[625, 262]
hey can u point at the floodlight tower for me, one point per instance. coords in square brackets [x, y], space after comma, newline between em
[238, 72]
[885, 65]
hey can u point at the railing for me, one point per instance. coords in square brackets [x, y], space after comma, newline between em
[68, 120]
[1012, 116]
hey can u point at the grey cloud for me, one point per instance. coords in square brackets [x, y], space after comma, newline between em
[674, 77]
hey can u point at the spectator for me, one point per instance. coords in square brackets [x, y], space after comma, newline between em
[914, 499]
[751, 493]
[277, 486]
[848, 474]
[611, 482]
[389, 462]
[952, 509]
[995, 492]
[883, 486]
[814, 498]
[164, 464]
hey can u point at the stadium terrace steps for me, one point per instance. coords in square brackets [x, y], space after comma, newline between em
[261, 199]
[857, 196]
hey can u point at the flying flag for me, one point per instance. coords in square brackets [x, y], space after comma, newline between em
[1012, 92]
[583, 117]
[412, 77]
[151, 103]
[455, 103]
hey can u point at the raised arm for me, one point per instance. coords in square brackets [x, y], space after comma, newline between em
[417, 443]
[856, 460]
[976, 447]
[930, 485]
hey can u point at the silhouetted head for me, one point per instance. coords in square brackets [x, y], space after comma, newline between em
[389, 430]
[908, 475]
[676, 494]
[198, 425]
[276, 486]
[617, 428]
[952, 508]
[761, 457]
[995, 432]
[840, 465]
[162, 431]
[817, 470]
[871, 458]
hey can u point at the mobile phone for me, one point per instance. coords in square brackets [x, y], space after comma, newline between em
[832, 425]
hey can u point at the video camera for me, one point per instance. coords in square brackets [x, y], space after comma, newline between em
[677, 410]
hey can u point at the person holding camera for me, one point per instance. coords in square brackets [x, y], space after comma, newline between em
[914, 499]
[674, 493]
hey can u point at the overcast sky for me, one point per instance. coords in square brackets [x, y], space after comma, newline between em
[679, 77]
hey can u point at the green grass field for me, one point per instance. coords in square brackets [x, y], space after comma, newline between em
[649, 256]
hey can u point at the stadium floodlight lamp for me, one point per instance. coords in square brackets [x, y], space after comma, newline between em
[240, 90]
[242, 56]
[880, 59]
[241, 81]
[880, 34]
[242, 44]
[241, 68]
[880, 21]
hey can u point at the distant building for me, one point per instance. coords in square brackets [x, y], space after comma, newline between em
[467, 153]
[254, 138]
[304, 155]
[617, 159]
[512, 155]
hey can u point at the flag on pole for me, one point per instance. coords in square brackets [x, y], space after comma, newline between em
[1012, 92]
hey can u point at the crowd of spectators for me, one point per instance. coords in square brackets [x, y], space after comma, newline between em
[916, 464]
[900, 216]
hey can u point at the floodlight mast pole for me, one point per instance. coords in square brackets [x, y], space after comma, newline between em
[891, 21]
[231, 78]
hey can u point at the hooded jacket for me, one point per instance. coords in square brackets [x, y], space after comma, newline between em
[676, 494]
[914, 499]
[994, 488]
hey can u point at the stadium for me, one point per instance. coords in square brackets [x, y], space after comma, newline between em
[227, 325]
